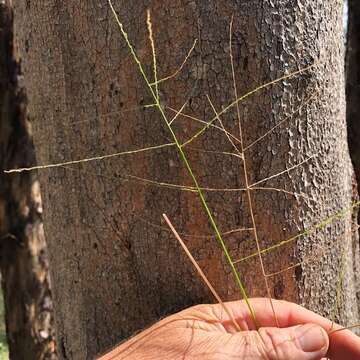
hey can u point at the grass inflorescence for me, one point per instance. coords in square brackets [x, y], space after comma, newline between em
[240, 150]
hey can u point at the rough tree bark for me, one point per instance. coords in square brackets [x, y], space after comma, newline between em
[23, 254]
[353, 82]
[116, 268]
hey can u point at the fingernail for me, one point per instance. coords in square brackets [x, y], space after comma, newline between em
[311, 337]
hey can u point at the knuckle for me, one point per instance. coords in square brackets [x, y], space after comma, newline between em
[276, 344]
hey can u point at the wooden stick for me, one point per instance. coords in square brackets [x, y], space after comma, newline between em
[201, 273]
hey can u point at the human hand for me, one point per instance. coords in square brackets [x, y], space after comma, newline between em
[205, 332]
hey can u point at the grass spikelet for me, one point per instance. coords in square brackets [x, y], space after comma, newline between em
[152, 43]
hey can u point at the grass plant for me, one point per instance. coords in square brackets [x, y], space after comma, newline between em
[153, 83]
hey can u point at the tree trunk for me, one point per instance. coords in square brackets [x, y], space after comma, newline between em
[23, 261]
[353, 82]
[116, 267]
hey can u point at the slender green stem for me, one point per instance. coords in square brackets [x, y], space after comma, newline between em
[311, 230]
[189, 169]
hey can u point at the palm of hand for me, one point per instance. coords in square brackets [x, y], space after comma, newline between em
[208, 332]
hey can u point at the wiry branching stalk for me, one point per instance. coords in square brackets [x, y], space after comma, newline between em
[247, 186]
[337, 216]
[90, 159]
[185, 161]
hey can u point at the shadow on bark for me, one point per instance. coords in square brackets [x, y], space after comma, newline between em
[23, 254]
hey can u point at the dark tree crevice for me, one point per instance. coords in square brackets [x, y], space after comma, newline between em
[23, 254]
[353, 83]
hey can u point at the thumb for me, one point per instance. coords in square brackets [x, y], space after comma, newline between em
[303, 342]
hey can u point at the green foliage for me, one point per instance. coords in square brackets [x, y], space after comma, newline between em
[4, 353]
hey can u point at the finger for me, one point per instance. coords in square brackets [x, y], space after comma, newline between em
[304, 342]
[287, 314]
[343, 344]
